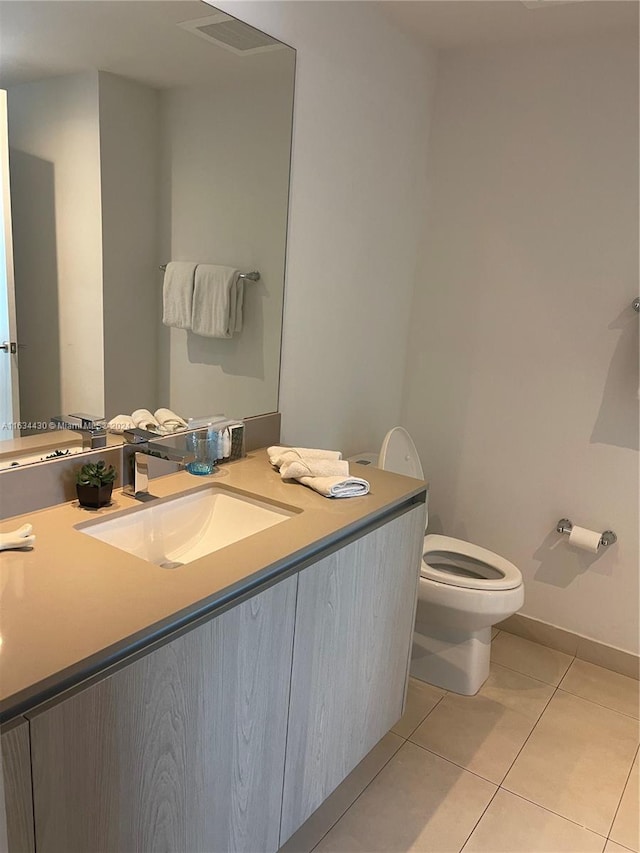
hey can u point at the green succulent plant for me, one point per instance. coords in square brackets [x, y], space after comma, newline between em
[96, 474]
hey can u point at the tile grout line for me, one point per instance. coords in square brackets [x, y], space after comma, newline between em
[526, 741]
[540, 643]
[559, 686]
[624, 788]
[527, 675]
[473, 772]
[405, 740]
[533, 802]
[565, 690]
[430, 711]
[576, 656]
[484, 811]
[498, 784]
[453, 763]
[375, 776]
[622, 847]
[598, 704]
[551, 811]
[567, 672]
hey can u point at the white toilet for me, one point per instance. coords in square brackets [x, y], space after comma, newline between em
[463, 591]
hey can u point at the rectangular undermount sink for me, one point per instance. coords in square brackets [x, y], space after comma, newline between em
[177, 530]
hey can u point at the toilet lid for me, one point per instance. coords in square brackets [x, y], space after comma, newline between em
[459, 563]
[398, 454]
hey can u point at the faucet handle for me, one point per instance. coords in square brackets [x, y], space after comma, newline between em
[79, 421]
[89, 421]
[66, 421]
[138, 435]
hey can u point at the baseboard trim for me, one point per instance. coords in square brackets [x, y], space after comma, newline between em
[581, 647]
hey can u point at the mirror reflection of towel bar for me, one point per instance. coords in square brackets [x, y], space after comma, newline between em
[249, 276]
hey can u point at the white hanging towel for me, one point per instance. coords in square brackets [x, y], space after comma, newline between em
[218, 295]
[177, 294]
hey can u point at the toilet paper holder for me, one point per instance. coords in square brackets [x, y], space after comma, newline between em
[608, 536]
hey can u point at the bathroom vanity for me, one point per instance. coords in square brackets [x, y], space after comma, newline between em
[216, 705]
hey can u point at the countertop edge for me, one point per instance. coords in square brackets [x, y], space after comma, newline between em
[80, 675]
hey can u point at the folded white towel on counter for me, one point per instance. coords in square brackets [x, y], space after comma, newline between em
[300, 467]
[337, 487]
[120, 423]
[20, 538]
[177, 294]
[218, 296]
[169, 420]
[143, 419]
[278, 455]
[322, 470]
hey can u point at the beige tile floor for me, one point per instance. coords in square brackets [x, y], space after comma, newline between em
[543, 760]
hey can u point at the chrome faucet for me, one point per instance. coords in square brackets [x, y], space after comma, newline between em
[91, 427]
[140, 445]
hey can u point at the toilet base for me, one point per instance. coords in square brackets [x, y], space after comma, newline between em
[454, 660]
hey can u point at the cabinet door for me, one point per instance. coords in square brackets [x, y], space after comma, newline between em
[354, 623]
[17, 832]
[181, 750]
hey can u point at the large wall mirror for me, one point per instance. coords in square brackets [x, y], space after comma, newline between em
[141, 133]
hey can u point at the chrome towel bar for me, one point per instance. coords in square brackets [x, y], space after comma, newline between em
[249, 276]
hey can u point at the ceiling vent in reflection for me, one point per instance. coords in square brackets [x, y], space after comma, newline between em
[231, 34]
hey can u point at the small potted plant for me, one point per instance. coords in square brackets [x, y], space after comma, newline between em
[94, 483]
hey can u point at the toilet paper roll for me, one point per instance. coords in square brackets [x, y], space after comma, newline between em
[586, 540]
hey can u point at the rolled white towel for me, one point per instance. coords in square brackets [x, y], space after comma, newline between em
[297, 468]
[169, 420]
[143, 419]
[120, 423]
[337, 487]
[20, 538]
[279, 455]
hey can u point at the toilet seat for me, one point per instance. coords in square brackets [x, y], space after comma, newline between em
[398, 454]
[463, 591]
[449, 561]
[458, 563]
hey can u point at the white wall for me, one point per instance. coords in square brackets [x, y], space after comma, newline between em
[225, 178]
[130, 176]
[522, 373]
[55, 177]
[360, 116]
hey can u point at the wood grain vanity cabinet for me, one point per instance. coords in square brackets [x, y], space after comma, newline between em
[181, 750]
[16, 779]
[227, 737]
[354, 623]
